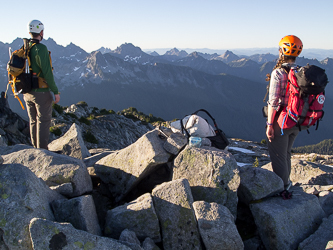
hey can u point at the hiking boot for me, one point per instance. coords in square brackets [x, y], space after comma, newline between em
[288, 186]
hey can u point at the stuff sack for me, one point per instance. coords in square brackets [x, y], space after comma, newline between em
[311, 79]
[25, 82]
[194, 125]
[306, 87]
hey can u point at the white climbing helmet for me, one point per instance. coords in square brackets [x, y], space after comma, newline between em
[35, 26]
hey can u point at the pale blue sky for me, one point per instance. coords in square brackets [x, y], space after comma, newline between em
[214, 24]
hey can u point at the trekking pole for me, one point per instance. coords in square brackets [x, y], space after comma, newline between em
[10, 80]
[26, 48]
[10, 54]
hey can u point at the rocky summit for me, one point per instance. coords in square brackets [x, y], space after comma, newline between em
[109, 182]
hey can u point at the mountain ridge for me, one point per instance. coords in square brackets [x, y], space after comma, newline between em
[129, 77]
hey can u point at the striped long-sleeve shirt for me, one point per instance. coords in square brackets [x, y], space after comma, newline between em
[277, 87]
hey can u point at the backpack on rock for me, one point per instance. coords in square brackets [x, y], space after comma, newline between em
[306, 86]
[194, 125]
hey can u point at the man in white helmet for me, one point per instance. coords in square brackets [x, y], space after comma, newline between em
[39, 100]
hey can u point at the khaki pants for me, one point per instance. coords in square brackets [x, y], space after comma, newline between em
[280, 150]
[39, 107]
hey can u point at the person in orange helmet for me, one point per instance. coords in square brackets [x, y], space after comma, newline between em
[279, 146]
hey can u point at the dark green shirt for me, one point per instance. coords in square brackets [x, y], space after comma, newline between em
[41, 65]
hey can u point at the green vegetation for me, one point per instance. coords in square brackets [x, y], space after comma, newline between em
[89, 137]
[84, 120]
[134, 114]
[106, 112]
[71, 115]
[82, 104]
[256, 163]
[55, 130]
[95, 110]
[263, 141]
[324, 147]
[314, 158]
[58, 108]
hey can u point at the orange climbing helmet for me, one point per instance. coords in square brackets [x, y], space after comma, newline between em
[291, 45]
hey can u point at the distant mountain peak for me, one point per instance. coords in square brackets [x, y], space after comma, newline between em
[154, 53]
[227, 57]
[195, 54]
[172, 52]
[176, 52]
[104, 50]
[327, 61]
[128, 49]
[229, 53]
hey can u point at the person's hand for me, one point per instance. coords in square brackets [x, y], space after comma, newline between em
[270, 133]
[57, 98]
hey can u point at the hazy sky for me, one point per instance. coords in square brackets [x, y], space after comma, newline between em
[214, 24]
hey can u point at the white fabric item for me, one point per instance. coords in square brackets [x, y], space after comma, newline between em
[195, 126]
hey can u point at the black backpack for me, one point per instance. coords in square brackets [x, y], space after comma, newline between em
[219, 141]
[311, 80]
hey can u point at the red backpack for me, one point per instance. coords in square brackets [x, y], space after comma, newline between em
[306, 86]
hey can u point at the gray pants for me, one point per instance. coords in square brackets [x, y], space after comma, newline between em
[280, 150]
[39, 107]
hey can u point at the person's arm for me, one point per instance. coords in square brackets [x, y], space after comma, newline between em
[46, 69]
[273, 103]
[57, 98]
[270, 118]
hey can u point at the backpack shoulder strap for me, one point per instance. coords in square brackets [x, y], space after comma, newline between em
[183, 128]
[27, 46]
[211, 117]
[286, 69]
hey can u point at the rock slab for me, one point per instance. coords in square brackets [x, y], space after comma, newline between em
[138, 216]
[173, 204]
[124, 169]
[79, 211]
[308, 173]
[23, 196]
[217, 227]
[51, 235]
[321, 237]
[283, 224]
[257, 183]
[53, 168]
[71, 143]
[212, 173]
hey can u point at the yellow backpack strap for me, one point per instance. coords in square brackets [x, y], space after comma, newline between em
[18, 98]
[12, 83]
